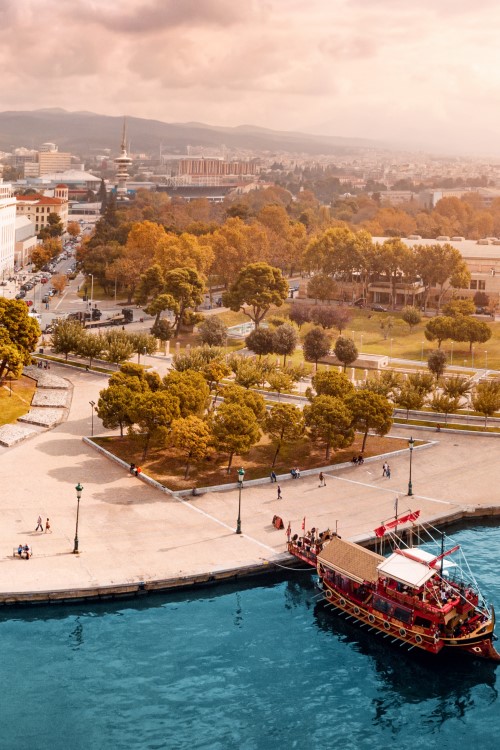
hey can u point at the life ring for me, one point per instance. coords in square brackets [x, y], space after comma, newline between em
[418, 639]
[342, 602]
[356, 610]
[329, 594]
[476, 649]
[371, 618]
[402, 632]
[387, 625]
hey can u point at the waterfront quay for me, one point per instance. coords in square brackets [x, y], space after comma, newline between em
[132, 538]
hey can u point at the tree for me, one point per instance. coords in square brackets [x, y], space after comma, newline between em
[248, 373]
[284, 424]
[456, 307]
[285, 339]
[409, 397]
[486, 399]
[471, 330]
[59, 282]
[73, 228]
[18, 330]
[439, 329]
[386, 383]
[91, 346]
[345, 351]
[321, 287]
[162, 330]
[213, 332]
[142, 343]
[421, 381]
[316, 345]
[235, 394]
[440, 265]
[457, 386]
[235, 430]
[258, 287]
[395, 260]
[481, 299]
[330, 421]
[436, 362]
[197, 358]
[330, 383]
[190, 389]
[153, 413]
[300, 314]
[260, 341]
[444, 404]
[113, 407]
[11, 360]
[53, 228]
[411, 316]
[279, 381]
[386, 324]
[370, 411]
[186, 286]
[192, 436]
[67, 337]
[119, 347]
[214, 372]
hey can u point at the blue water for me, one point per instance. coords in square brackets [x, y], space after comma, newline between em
[252, 667]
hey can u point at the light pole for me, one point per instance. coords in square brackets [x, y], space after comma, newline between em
[422, 355]
[486, 360]
[391, 348]
[79, 490]
[241, 476]
[410, 446]
[451, 358]
[91, 289]
[92, 404]
[10, 384]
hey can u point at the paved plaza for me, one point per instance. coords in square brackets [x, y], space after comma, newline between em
[130, 532]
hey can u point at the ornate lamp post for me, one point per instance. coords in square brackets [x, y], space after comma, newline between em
[411, 443]
[79, 490]
[241, 476]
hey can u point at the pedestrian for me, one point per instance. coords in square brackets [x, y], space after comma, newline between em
[132, 468]
[279, 493]
[47, 527]
[388, 472]
[322, 480]
[384, 468]
[273, 477]
[39, 524]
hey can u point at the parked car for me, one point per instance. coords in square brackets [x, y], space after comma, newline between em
[360, 302]
[378, 308]
[45, 299]
[21, 294]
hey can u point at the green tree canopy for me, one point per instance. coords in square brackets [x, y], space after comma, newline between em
[235, 430]
[330, 383]
[113, 407]
[316, 345]
[345, 351]
[257, 288]
[212, 331]
[436, 362]
[152, 415]
[370, 411]
[284, 424]
[190, 389]
[411, 315]
[192, 436]
[330, 420]
[260, 341]
[486, 399]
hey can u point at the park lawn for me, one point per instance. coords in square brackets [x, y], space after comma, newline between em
[167, 466]
[12, 407]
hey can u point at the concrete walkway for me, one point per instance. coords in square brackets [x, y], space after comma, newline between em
[129, 532]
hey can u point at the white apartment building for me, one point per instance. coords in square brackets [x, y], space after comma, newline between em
[7, 228]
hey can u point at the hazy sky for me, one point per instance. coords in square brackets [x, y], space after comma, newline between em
[426, 72]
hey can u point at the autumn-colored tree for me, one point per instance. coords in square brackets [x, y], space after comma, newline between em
[444, 404]
[330, 383]
[190, 389]
[321, 287]
[409, 397]
[59, 282]
[236, 394]
[486, 399]
[67, 337]
[18, 330]
[73, 228]
[235, 430]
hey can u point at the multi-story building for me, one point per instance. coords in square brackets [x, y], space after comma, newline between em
[52, 160]
[37, 208]
[26, 241]
[7, 227]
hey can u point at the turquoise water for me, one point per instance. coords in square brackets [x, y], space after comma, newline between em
[252, 667]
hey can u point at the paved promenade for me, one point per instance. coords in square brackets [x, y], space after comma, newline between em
[130, 532]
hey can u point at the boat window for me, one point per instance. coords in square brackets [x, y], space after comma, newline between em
[403, 614]
[381, 604]
[422, 622]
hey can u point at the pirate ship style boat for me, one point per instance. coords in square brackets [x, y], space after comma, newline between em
[415, 597]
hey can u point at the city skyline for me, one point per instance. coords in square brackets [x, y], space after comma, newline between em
[407, 76]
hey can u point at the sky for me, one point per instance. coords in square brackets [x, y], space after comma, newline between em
[425, 74]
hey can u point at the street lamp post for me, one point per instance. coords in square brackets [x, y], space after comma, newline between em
[486, 359]
[410, 446]
[92, 405]
[79, 490]
[422, 355]
[241, 476]
[451, 358]
[91, 289]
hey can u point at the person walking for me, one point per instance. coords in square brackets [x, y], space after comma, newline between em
[39, 524]
[279, 493]
[47, 527]
[273, 477]
[384, 468]
[322, 480]
[388, 472]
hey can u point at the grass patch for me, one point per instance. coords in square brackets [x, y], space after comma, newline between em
[168, 465]
[14, 406]
[449, 425]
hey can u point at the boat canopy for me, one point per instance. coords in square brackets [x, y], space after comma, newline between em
[408, 572]
[350, 560]
[427, 557]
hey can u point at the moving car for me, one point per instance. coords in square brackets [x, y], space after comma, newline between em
[378, 308]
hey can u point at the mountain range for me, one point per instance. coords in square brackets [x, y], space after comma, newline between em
[84, 132]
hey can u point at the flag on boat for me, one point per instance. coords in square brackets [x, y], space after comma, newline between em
[409, 517]
[304, 524]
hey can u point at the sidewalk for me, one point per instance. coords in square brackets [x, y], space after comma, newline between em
[129, 532]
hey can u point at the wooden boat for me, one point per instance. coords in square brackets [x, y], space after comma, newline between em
[414, 597]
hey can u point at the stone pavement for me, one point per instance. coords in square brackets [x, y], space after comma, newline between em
[129, 532]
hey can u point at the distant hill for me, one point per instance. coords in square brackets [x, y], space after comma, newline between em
[79, 132]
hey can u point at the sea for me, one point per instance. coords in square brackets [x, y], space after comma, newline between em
[259, 666]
